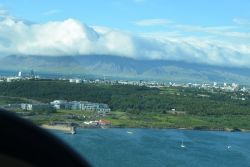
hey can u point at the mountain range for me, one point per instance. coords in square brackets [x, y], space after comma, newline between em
[126, 68]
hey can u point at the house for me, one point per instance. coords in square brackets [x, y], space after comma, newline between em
[89, 106]
[103, 122]
[27, 107]
[80, 105]
[75, 81]
[58, 104]
[99, 107]
[78, 81]
[103, 108]
[74, 105]
[36, 107]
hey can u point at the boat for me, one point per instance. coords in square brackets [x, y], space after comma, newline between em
[73, 131]
[228, 147]
[182, 144]
[129, 132]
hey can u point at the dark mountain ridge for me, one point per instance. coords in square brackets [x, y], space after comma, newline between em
[127, 68]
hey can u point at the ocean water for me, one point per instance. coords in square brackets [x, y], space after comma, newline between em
[160, 148]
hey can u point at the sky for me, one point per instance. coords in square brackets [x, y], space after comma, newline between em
[204, 31]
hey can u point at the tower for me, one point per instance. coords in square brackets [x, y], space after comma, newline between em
[32, 74]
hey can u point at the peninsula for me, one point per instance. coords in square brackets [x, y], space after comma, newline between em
[120, 104]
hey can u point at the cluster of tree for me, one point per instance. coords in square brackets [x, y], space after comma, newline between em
[11, 100]
[130, 98]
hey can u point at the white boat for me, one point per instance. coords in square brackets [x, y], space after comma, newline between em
[73, 131]
[182, 144]
[228, 147]
[129, 132]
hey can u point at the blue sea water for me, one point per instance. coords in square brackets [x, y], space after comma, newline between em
[160, 148]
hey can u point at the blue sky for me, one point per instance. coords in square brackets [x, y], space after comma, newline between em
[122, 13]
[206, 31]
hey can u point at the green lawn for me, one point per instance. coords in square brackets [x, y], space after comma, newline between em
[123, 119]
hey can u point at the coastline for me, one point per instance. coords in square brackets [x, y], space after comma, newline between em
[62, 128]
[67, 129]
[188, 128]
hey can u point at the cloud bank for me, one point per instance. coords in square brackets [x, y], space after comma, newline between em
[241, 21]
[71, 37]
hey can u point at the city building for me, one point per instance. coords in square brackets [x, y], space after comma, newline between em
[80, 105]
[59, 104]
[36, 107]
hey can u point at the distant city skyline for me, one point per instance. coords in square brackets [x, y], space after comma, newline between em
[209, 31]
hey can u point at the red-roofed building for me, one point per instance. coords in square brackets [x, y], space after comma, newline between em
[103, 122]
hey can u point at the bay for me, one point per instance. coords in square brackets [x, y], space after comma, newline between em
[160, 147]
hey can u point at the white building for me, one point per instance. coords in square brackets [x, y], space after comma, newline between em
[75, 81]
[36, 107]
[80, 105]
[235, 86]
[78, 81]
[27, 107]
[58, 104]
[20, 74]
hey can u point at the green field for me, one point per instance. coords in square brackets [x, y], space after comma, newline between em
[122, 119]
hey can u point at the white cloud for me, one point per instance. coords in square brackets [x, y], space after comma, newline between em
[71, 37]
[241, 21]
[152, 22]
[212, 31]
[3, 12]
